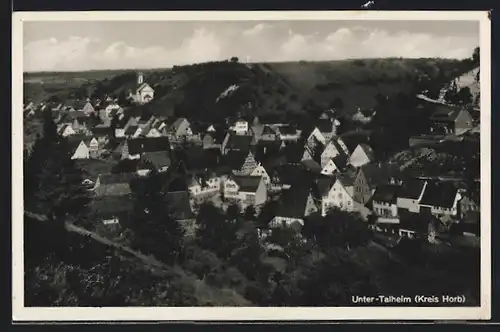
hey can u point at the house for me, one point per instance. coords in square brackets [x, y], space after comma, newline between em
[240, 127]
[296, 204]
[311, 166]
[247, 190]
[332, 150]
[327, 128]
[287, 132]
[268, 134]
[307, 154]
[410, 194]
[102, 133]
[88, 108]
[66, 130]
[349, 141]
[181, 129]
[335, 165]
[370, 176]
[179, 206]
[469, 205]
[315, 138]
[143, 93]
[84, 147]
[197, 160]
[450, 120]
[266, 150]
[114, 184]
[340, 195]
[441, 199]
[261, 171]
[135, 147]
[204, 185]
[362, 155]
[159, 160]
[239, 162]
[384, 201]
[237, 142]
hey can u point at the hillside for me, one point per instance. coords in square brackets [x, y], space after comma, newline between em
[213, 91]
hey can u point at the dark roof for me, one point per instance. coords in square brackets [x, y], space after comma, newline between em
[353, 139]
[293, 202]
[293, 152]
[234, 159]
[197, 158]
[312, 165]
[239, 142]
[101, 130]
[324, 125]
[247, 183]
[377, 174]
[131, 130]
[340, 160]
[179, 205]
[111, 206]
[411, 189]
[323, 185]
[445, 113]
[386, 193]
[413, 221]
[148, 144]
[346, 179]
[114, 178]
[288, 174]
[441, 194]
[287, 130]
[115, 184]
[159, 159]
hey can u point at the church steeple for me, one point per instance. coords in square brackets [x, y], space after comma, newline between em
[140, 78]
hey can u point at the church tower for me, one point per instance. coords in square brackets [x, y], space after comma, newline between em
[140, 78]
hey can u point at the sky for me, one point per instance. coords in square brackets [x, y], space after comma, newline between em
[91, 45]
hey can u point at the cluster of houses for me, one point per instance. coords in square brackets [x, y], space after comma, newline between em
[251, 163]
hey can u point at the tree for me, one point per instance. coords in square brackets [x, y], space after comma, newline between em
[156, 232]
[333, 281]
[337, 103]
[249, 214]
[475, 56]
[215, 232]
[338, 229]
[234, 59]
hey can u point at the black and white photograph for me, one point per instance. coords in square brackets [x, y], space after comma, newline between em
[251, 166]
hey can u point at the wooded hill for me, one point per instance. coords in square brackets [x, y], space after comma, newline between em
[215, 90]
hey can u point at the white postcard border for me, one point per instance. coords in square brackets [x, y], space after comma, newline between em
[21, 313]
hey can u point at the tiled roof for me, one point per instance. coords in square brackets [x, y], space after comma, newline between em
[445, 113]
[324, 125]
[148, 144]
[312, 166]
[377, 174]
[179, 205]
[112, 206]
[248, 184]
[234, 159]
[441, 194]
[386, 193]
[159, 159]
[294, 200]
[353, 139]
[411, 189]
[239, 142]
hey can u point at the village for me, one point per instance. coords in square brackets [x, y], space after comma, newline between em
[250, 164]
